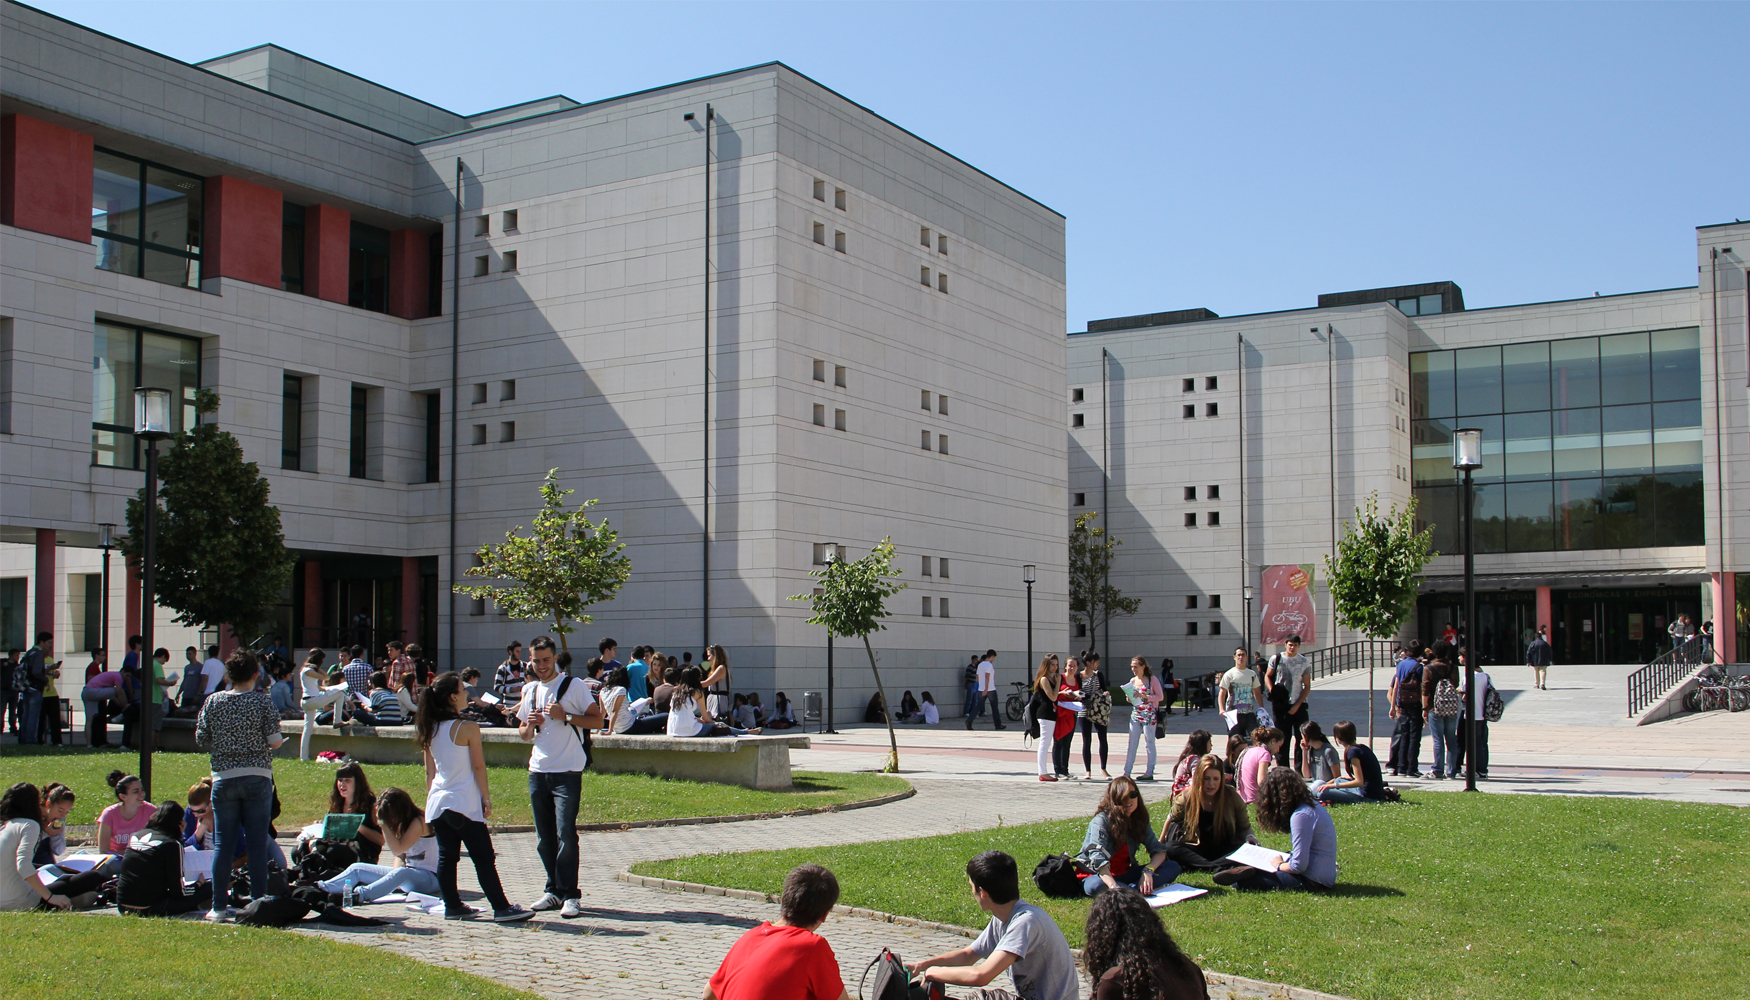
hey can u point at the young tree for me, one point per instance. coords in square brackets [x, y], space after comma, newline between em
[852, 601]
[1093, 601]
[1374, 576]
[221, 557]
[565, 565]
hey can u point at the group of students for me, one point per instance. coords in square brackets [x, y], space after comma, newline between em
[1062, 696]
[31, 682]
[1128, 953]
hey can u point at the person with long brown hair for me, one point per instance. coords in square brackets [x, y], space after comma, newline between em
[1196, 746]
[1042, 707]
[1208, 820]
[352, 794]
[717, 685]
[1130, 956]
[58, 801]
[21, 815]
[410, 839]
[1145, 693]
[1119, 826]
[1285, 806]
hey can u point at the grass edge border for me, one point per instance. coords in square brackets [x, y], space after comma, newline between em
[1273, 990]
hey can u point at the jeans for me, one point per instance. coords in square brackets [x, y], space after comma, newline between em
[1045, 745]
[9, 716]
[1445, 730]
[554, 798]
[356, 717]
[996, 708]
[1061, 747]
[31, 704]
[649, 725]
[973, 702]
[1088, 730]
[1261, 881]
[130, 719]
[1406, 744]
[1138, 730]
[1093, 885]
[377, 881]
[1341, 796]
[311, 707]
[245, 799]
[454, 831]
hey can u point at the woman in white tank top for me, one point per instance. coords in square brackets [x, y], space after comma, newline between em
[458, 798]
[688, 714]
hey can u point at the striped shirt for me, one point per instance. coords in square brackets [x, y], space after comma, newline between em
[507, 683]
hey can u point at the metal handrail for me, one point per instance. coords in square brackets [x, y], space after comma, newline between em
[1352, 656]
[1650, 683]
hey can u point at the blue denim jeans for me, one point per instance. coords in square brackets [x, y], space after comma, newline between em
[31, 704]
[1139, 731]
[377, 881]
[1445, 731]
[247, 800]
[554, 798]
[1093, 885]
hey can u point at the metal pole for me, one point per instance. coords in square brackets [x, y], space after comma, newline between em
[1105, 511]
[1331, 412]
[1245, 576]
[455, 409]
[148, 598]
[705, 475]
[1470, 622]
[1029, 624]
[832, 560]
[104, 642]
[1723, 617]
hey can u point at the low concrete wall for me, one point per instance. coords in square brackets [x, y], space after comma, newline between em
[750, 761]
[1671, 706]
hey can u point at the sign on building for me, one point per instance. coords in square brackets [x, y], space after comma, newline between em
[1288, 604]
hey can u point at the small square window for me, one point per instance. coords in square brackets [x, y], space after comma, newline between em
[838, 376]
[1214, 601]
[924, 440]
[507, 431]
[838, 420]
[479, 433]
[1190, 628]
[926, 611]
[1214, 628]
[838, 198]
[838, 242]
[1190, 492]
[510, 221]
[483, 225]
[480, 265]
[1211, 409]
[1189, 410]
[819, 415]
[942, 608]
[1211, 492]
[507, 390]
[1209, 382]
[819, 370]
[926, 569]
[1075, 420]
[820, 233]
[1081, 500]
[1188, 385]
[924, 236]
[942, 244]
[479, 393]
[942, 443]
[1081, 630]
[924, 276]
[477, 606]
[1213, 518]
[941, 282]
[926, 400]
[1191, 602]
[1191, 520]
[509, 260]
[941, 404]
[942, 567]
[819, 190]
[1075, 395]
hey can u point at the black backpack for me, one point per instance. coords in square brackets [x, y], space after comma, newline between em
[1059, 876]
[273, 911]
[322, 858]
[893, 982]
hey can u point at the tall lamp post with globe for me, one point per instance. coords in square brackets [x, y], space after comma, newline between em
[1467, 456]
[151, 425]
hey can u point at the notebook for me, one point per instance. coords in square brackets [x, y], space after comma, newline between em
[341, 826]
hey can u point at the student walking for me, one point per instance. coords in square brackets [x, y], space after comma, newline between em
[1476, 728]
[1145, 694]
[973, 701]
[240, 729]
[1288, 679]
[1239, 692]
[457, 800]
[553, 707]
[1539, 656]
[987, 688]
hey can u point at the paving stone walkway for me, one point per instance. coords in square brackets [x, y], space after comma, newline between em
[634, 942]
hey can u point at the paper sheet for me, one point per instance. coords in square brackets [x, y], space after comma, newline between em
[1261, 858]
[1172, 893]
[196, 864]
[488, 698]
[1232, 718]
[80, 862]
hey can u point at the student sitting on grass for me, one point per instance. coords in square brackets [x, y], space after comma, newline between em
[1119, 825]
[1287, 807]
[58, 801]
[1130, 956]
[1020, 938]
[1236, 745]
[151, 880]
[786, 960]
[1364, 782]
[412, 843]
[1256, 759]
[1196, 748]
[1321, 763]
[351, 795]
[1208, 821]
[20, 886]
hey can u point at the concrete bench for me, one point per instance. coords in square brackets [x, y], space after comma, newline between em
[749, 761]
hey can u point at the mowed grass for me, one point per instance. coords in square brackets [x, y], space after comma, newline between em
[125, 958]
[1444, 896]
[303, 787]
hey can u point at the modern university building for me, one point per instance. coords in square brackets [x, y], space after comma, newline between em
[882, 354]
[1226, 451]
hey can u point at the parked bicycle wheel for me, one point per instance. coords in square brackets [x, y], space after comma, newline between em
[1014, 707]
[1692, 701]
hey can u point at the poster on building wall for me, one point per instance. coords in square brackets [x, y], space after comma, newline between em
[1288, 604]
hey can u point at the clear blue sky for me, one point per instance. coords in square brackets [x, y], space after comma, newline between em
[1241, 157]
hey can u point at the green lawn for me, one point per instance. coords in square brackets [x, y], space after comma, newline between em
[124, 958]
[1445, 896]
[303, 787]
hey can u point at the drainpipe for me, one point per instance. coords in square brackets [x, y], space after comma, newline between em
[455, 385]
[1105, 497]
[705, 477]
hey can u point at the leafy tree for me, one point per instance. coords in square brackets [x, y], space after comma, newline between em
[1374, 576]
[566, 565]
[852, 601]
[1093, 601]
[221, 557]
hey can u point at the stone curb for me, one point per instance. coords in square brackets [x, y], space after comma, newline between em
[1274, 991]
[643, 824]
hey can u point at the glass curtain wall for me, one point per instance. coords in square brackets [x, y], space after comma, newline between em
[146, 219]
[1590, 443]
[126, 357]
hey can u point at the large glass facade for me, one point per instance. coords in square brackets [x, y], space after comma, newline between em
[1589, 443]
[124, 358]
[146, 219]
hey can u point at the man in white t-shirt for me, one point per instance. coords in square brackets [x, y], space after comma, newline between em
[1474, 737]
[987, 688]
[1020, 938]
[1287, 682]
[554, 709]
[1238, 692]
[213, 669]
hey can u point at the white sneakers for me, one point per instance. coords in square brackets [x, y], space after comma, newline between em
[548, 901]
[572, 908]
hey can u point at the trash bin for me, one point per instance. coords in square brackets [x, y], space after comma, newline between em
[811, 711]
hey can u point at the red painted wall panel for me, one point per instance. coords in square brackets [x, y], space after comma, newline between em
[409, 273]
[244, 226]
[327, 251]
[45, 178]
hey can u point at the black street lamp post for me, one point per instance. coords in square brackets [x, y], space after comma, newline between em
[1467, 455]
[151, 425]
[106, 538]
[1246, 592]
[1027, 573]
[832, 559]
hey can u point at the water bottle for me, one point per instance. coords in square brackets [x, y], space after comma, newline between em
[348, 895]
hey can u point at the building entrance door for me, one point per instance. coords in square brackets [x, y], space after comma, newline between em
[1618, 626]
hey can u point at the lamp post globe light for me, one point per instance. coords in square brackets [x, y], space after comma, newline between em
[832, 559]
[1246, 592]
[1467, 456]
[1027, 575]
[151, 425]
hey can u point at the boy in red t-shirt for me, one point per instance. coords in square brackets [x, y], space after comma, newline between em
[786, 960]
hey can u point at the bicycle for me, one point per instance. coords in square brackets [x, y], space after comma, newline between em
[1016, 703]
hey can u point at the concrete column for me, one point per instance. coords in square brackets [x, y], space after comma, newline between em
[327, 252]
[409, 273]
[1725, 596]
[227, 641]
[243, 226]
[409, 599]
[45, 586]
[45, 178]
[1543, 612]
[312, 603]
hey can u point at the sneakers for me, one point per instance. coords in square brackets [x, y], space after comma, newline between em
[224, 916]
[1230, 876]
[466, 912]
[572, 908]
[511, 915]
[1047, 777]
[548, 901]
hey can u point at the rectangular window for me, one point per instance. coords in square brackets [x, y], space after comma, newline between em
[942, 608]
[356, 454]
[509, 260]
[1214, 601]
[838, 420]
[292, 423]
[507, 390]
[510, 221]
[1190, 493]
[924, 440]
[1211, 409]
[820, 552]
[941, 282]
[942, 245]
[483, 225]
[480, 266]
[942, 444]
[1081, 630]
[819, 370]
[838, 241]
[924, 276]
[1075, 420]
[819, 190]
[1075, 395]
[6, 375]
[924, 236]
[479, 393]
[477, 607]
[838, 199]
[434, 422]
[820, 233]
[1214, 628]
[1190, 602]
[146, 219]
[125, 357]
[1188, 411]
[13, 593]
[1209, 382]
[838, 376]
[1191, 520]
[926, 567]
[1213, 519]
[926, 400]
[86, 605]
[926, 611]
[819, 415]
[1081, 499]
[942, 567]
[479, 435]
[1187, 385]
[507, 432]
[368, 270]
[1212, 492]
[1190, 628]
[941, 404]
[292, 249]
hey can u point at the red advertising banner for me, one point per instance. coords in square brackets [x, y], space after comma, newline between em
[1288, 605]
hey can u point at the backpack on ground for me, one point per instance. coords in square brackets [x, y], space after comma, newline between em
[322, 858]
[1059, 876]
[273, 911]
[1447, 703]
[1493, 705]
[893, 982]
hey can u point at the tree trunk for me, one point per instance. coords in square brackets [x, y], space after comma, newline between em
[892, 740]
